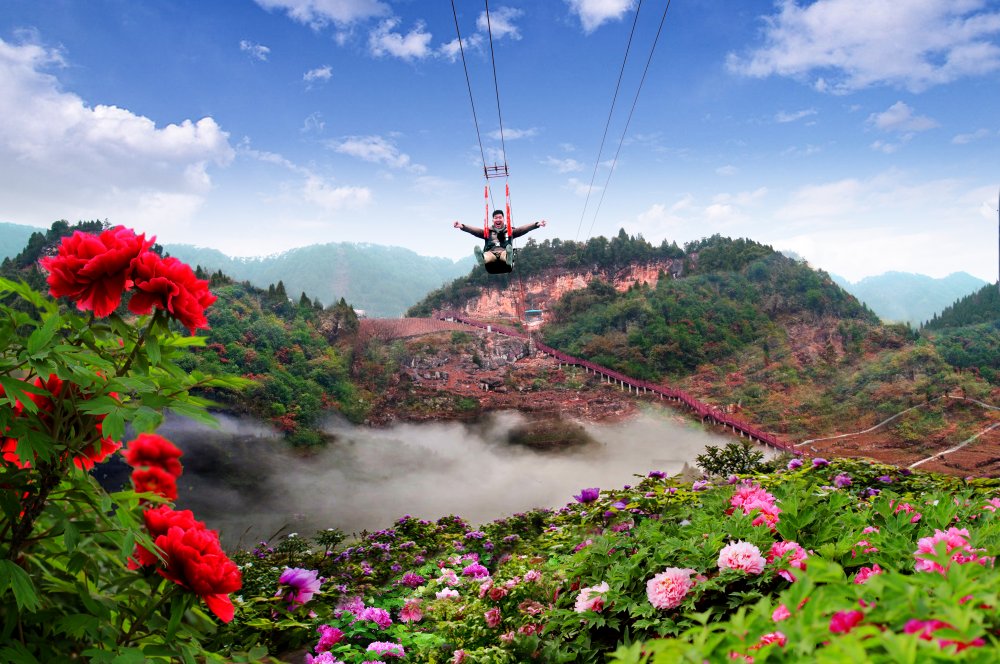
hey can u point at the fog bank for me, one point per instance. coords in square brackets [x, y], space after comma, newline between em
[242, 481]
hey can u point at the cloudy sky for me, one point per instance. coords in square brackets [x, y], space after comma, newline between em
[862, 134]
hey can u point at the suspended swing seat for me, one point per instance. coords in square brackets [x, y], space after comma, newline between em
[502, 267]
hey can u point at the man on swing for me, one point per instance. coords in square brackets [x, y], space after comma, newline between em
[498, 250]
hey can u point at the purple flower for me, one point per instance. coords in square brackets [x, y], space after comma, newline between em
[842, 480]
[733, 479]
[475, 534]
[328, 637]
[871, 493]
[794, 464]
[412, 580]
[588, 495]
[820, 462]
[700, 485]
[658, 474]
[620, 505]
[299, 585]
[884, 479]
[905, 471]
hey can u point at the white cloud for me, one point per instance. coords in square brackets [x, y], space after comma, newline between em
[62, 158]
[581, 189]
[320, 13]
[785, 116]
[384, 41]
[256, 51]
[727, 170]
[510, 134]
[319, 191]
[563, 165]
[855, 44]
[900, 118]
[500, 23]
[323, 73]
[594, 13]
[978, 135]
[451, 51]
[314, 122]
[376, 149]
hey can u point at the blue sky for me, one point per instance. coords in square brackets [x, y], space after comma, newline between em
[862, 134]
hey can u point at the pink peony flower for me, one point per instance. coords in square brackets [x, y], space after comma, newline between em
[925, 628]
[742, 556]
[866, 573]
[591, 598]
[447, 593]
[955, 544]
[769, 638]
[751, 497]
[532, 575]
[843, 622]
[386, 649]
[376, 615]
[668, 589]
[793, 555]
[781, 613]
[492, 617]
[411, 611]
[458, 657]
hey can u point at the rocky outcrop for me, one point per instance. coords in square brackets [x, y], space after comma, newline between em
[541, 291]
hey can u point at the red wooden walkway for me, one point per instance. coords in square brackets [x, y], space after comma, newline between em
[704, 411]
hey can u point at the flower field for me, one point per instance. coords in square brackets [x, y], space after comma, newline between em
[832, 561]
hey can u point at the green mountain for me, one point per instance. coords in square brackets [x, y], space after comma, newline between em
[904, 297]
[13, 238]
[382, 281]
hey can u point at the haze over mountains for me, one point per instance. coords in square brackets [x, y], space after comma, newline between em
[384, 281]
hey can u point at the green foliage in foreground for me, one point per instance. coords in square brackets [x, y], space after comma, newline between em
[850, 519]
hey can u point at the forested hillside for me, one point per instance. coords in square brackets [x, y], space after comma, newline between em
[967, 334]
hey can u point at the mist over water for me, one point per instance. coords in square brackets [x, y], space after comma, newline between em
[244, 482]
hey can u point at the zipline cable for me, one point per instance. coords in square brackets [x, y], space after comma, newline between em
[496, 85]
[625, 131]
[614, 99]
[468, 84]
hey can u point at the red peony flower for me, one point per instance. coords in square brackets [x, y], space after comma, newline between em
[170, 284]
[155, 480]
[95, 269]
[159, 520]
[94, 454]
[195, 559]
[149, 449]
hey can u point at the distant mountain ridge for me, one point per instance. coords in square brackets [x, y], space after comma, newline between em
[381, 280]
[905, 297]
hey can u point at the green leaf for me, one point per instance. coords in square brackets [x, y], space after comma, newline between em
[71, 536]
[42, 336]
[20, 583]
[153, 349]
[113, 425]
[146, 420]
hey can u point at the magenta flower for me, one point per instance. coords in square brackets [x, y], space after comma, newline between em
[843, 622]
[668, 589]
[866, 573]
[925, 628]
[700, 485]
[588, 495]
[328, 637]
[820, 462]
[297, 586]
[794, 464]
[412, 580]
[476, 571]
[322, 658]
[841, 481]
[376, 615]
[781, 613]
[742, 556]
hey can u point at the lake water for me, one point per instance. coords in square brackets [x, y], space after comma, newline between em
[244, 482]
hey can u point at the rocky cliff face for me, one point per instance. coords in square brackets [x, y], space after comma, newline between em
[539, 292]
